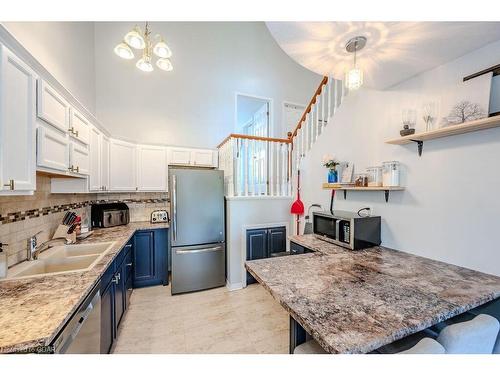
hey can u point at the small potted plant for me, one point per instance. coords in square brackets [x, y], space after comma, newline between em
[331, 163]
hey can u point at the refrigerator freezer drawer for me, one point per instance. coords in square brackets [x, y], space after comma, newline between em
[198, 267]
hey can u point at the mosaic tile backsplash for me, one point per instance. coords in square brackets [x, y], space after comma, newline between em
[23, 216]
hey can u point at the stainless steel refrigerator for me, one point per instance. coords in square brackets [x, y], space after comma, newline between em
[198, 249]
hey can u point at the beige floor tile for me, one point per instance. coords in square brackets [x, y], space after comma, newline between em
[212, 321]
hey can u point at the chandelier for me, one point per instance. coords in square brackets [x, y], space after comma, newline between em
[138, 40]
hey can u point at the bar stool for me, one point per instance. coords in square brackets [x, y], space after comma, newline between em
[309, 347]
[425, 346]
[476, 336]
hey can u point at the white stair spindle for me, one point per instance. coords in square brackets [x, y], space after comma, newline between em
[246, 164]
[271, 170]
[231, 166]
[316, 118]
[289, 169]
[323, 98]
[329, 99]
[278, 177]
[335, 97]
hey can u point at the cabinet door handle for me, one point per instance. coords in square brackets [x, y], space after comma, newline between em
[71, 169]
[10, 184]
[115, 279]
[78, 169]
[129, 264]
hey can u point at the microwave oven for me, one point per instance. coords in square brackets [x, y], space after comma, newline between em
[347, 229]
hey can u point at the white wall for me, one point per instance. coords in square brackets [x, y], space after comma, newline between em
[450, 208]
[66, 50]
[194, 105]
[243, 213]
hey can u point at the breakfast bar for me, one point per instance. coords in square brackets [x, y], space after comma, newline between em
[358, 301]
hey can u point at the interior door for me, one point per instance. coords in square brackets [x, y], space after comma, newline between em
[197, 206]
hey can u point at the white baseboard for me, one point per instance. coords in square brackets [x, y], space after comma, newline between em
[234, 286]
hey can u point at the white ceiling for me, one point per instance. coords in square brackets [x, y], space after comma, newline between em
[395, 51]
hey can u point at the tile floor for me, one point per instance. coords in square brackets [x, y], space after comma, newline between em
[212, 321]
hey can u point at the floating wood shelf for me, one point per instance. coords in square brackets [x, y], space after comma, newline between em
[466, 127]
[385, 189]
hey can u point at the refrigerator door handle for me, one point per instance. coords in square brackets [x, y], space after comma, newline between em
[204, 250]
[174, 207]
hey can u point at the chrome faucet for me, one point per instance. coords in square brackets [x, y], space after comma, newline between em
[34, 249]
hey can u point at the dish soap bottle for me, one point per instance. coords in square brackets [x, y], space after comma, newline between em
[3, 262]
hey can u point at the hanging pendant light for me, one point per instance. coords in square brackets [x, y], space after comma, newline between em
[354, 77]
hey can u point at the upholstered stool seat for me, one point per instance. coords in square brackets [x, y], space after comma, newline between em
[309, 347]
[425, 346]
[476, 336]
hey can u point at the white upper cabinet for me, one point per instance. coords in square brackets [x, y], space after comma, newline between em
[203, 158]
[193, 157]
[79, 127]
[122, 166]
[179, 156]
[52, 149]
[79, 159]
[151, 168]
[17, 125]
[105, 145]
[95, 160]
[52, 107]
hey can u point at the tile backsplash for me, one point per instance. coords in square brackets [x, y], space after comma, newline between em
[23, 216]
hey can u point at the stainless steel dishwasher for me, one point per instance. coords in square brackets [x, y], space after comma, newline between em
[82, 334]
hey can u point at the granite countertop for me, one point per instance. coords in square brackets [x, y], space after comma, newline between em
[33, 310]
[357, 301]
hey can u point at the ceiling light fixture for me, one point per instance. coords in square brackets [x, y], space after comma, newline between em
[136, 39]
[354, 77]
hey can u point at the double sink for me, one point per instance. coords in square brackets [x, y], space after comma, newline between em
[62, 259]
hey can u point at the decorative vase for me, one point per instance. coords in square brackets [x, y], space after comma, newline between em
[332, 176]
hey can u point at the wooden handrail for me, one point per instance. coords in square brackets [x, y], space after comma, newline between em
[253, 137]
[323, 82]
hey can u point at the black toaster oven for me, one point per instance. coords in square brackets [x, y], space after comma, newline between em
[105, 215]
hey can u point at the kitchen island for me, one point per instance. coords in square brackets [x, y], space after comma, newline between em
[357, 301]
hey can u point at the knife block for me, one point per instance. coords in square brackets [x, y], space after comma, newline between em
[62, 231]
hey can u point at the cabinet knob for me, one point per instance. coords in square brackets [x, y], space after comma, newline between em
[10, 184]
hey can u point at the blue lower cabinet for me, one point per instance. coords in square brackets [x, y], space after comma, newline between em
[142, 262]
[263, 243]
[107, 318]
[115, 295]
[150, 258]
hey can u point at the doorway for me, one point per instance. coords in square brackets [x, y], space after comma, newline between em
[253, 115]
[253, 118]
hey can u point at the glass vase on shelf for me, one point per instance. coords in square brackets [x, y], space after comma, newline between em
[332, 176]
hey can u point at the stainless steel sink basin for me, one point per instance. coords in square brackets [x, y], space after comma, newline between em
[62, 259]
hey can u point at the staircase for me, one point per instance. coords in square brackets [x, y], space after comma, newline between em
[263, 166]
